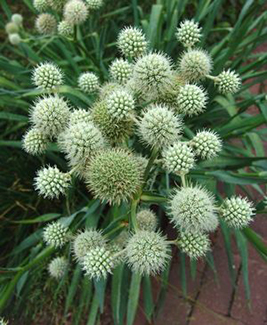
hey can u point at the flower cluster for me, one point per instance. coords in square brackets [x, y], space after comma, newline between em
[13, 29]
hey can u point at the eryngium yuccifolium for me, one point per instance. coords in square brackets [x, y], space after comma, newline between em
[195, 245]
[206, 144]
[237, 212]
[188, 33]
[146, 220]
[80, 115]
[94, 4]
[11, 28]
[114, 131]
[57, 4]
[55, 234]
[65, 29]
[34, 142]
[191, 100]
[57, 267]
[195, 65]
[159, 126]
[47, 76]
[14, 39]
[50, 115]
[151, 74]
[228, 82]
[121, 70]
[107, 88]
[75, 12]
[98, 263]
[17, 19]
[51, 182]
[88, 82]
[41, 5]
[113, 175]
[119, 104]
[46, 24]
[87, 240]
[132, 42]
[147, 252]
[178, 158]
[192, 210]
[79, 141]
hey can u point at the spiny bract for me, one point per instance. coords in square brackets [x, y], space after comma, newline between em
[34, 142]
[121, 70]
[46, 24]
[195, 245]
[206, 144]
[188, 33]
[119, 104]
[55, 234]
[47, 76]
[146, 220]
[132, 42]
[57, 267]
[88, 82]
[75, 12]
[228, 82]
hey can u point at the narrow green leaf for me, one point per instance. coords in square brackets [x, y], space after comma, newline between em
[148, 297]
[133, 298]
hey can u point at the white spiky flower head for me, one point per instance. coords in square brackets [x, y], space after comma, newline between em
[159, 126]
[75, 12]
[41, 5]
[113, 175]
[195, 245]
[55, 234]
[34, 142]
[195, 65]
[88, 82]
[87, 240]
[188, 33]
[14, 39]
[120, 103]
[146, 220]
[80, 141]
[47, 76]
[191, 100]
[107, 88]
[132, 42]
[237, 212]
[50, 115]
[17, 19]
[147, 252]
[206, 144]
[94, 4]
[228, 82]
[65, 29]
[98, 263]
[152, 74]
[3, 321]
[121, 70]
[178, 158]
[11, 28]
[192, 210]
[57, 267]
[50, 182]
[46, 24]
[80, 115]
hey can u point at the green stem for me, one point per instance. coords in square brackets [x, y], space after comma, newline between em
[133, 221]
[183, 179]
[153, 157]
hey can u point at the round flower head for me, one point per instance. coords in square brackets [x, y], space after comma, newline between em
[228, 82]
[178, 158]
[88, 82]
[121, 71]
[94, 4]
[147, 252]
[159, 126]
[132, 42]
[75, 12]
[119, 104]
[188, 33]
[47, 76]
[195, 245]
[98, 263]
[50, 115]
[141, 162]
[57, 5]
[195, 65]
[107, 89]
[206, 144]
[79, 141]
[41, 5]
[51, 182]
[114, 131]
[46, 24]
[192, 210]
[65, 29]
[152, 73]
[12, 28]
[14, 39]
[55, 234]
[237, 212]
[113, 175]
[191, 100]
[146, 220]
[17, 19]
[86, 241]
[34, 142]
[80, 115]
[57, 267]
